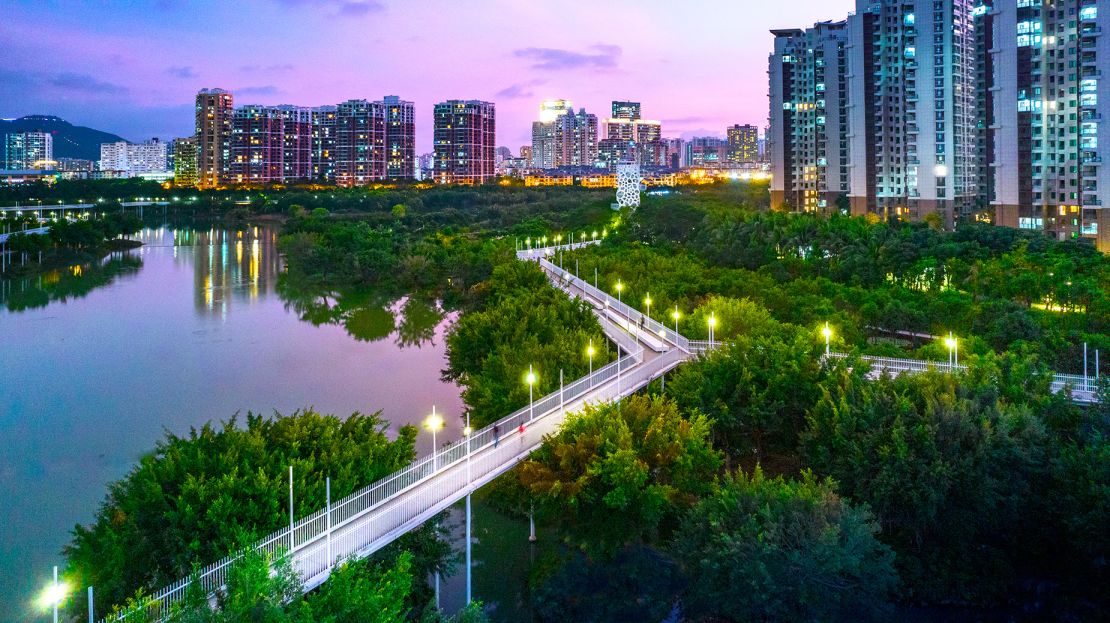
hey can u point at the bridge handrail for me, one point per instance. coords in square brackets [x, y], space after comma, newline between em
[312, 527]
[631, 313]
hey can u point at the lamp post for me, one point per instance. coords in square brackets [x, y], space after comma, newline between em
[590, 353]
[620, 286]
[950, 342]
[530, 378]
[467, 432]
[827, 332]
[54, 594]
[647, 304]
[433, 423]
[712, 325]
[675, 315]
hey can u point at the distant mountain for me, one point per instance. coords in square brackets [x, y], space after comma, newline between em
[70, 141]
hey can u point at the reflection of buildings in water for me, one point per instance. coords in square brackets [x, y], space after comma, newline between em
[231, 265]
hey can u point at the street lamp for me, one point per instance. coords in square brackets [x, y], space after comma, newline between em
[675, 315]
[647, 303]
[530, 379]
[595, 234]
[953, 350]
[712, 325]
[53, 595]
[827, 332]
[590, 353]
[433, 423]
[620, 286]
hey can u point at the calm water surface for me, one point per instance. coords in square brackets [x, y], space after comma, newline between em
[97, 362]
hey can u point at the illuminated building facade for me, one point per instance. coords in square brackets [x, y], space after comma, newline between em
[296, 144]
[257, 145]
[913, 115]
[808, 135]
[213, 134]
[674, 153]
[562, 137]
[359, 142]
[132, 159]
[1047, 103]
[323, 144]
[629, 138]
[706, 152]
[24, 151]
[400, 138]
[464, 140]
[743, 144]
[185, 161]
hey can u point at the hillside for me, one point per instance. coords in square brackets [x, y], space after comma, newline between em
[70, 141]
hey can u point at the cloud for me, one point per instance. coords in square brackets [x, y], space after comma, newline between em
[184, 72]
[599, 56]
[519, 91]
[268, 89]
[84, 83]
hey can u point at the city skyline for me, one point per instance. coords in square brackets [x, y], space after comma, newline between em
[134, 70]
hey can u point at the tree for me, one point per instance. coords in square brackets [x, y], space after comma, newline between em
[198, 497]
[618, 474]
[761, 549]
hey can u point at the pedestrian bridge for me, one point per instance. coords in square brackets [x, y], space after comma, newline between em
[371, 518]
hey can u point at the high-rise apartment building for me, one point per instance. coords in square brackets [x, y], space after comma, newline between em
[674, 153]
[185, 161]
[743, 144]
[214, 109]
[323, 143]
[563, 137]
[1045, 102]
[257, 145]
[809, 133]
[296, 156]
[28, 150]
[133, 159]
[707, 152]
[400, 138]
[464, 138]
[359, 142]
[629, 137]
[912, 113]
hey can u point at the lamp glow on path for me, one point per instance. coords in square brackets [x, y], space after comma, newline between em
[530, 379]
[827, 332]
[433, 423]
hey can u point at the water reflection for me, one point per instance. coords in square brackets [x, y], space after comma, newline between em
[61, 285]
[234, 266]
[366, 315]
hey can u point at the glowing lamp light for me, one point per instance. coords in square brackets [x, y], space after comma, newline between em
[53, 595]
[434, 422]
[826, 331]
[467, 431]
[590, 350]
[675, 314]
[712, 320]
[530, 378]
[950, 342]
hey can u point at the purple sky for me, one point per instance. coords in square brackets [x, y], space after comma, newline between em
[132, 67]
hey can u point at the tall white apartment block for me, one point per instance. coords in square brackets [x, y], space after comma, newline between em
[134, 158]
[808, 134]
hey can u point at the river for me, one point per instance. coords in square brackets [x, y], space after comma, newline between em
[98, 361]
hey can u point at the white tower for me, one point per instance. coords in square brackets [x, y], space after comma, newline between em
[628, 185]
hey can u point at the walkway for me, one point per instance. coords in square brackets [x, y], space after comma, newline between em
[34, 230]
[373, 517]
[370, 519]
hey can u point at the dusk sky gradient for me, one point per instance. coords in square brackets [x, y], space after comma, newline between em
[132, 68]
